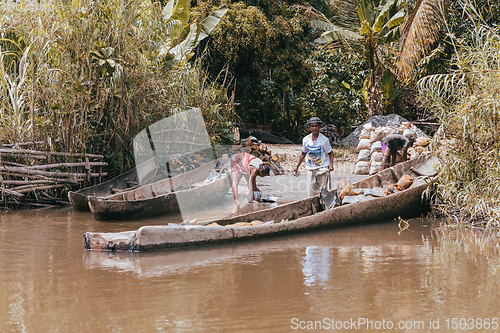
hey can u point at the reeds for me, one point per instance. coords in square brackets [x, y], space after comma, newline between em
[467, 104]
[90, 75]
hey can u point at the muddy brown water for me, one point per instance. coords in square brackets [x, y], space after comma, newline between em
[363, 278]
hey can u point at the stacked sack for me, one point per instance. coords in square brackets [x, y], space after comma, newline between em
[370, 146]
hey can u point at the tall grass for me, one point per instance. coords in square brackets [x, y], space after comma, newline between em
[87, 76]
[467, 104]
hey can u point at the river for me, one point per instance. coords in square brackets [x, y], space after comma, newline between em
[363, 278]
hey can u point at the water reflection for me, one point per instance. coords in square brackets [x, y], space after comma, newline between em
[316, 265]
[49, 283]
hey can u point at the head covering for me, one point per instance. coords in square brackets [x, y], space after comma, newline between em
[314, 120]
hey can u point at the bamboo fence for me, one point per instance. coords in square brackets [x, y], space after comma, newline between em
[38, 178]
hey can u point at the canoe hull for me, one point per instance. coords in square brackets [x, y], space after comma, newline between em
[78, 201]
[166, 204]
[104, 210]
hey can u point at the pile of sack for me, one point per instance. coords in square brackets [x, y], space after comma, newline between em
[370, 146]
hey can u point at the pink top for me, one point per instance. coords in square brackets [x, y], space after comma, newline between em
[240, 163]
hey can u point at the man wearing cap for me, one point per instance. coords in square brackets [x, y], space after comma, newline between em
[317, 152]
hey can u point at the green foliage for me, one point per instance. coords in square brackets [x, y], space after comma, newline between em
[374, 35]
[88, 76]
[333, 94]
[266, 50]
[466, 103]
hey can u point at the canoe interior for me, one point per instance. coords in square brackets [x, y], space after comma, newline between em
[178, 183]
[171, 196]
[310, 206]
[126, 181]
[171, 203]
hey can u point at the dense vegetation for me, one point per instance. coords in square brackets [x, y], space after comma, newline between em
[281, 75]
[465, 99]
[83, 76]
[87, 76]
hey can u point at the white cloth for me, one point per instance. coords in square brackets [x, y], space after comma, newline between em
[256, 162]
[316, 151]
[316, 179]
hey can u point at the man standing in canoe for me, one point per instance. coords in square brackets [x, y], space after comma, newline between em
[245, 164]
[317, 152]
[390, 146]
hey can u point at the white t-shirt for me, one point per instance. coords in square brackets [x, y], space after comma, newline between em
[256, 162]
[316, 151]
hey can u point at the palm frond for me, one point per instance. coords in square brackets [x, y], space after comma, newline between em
[419, 34]
[183, 51]
[338, 35]
[383, 14]
[333, 32]
[346, 15]
[322, 25]
[211, 21]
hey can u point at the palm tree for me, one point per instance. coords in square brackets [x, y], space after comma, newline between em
[420, 32]
[376, 26]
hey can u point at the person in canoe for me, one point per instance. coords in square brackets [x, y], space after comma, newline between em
[317, 152]
[249, 166]
[390, 146]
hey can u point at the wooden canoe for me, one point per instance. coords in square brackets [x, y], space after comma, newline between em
[297, 216]
[124, 182]
[166, 196]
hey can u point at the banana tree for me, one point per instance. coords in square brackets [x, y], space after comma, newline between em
[377, 25]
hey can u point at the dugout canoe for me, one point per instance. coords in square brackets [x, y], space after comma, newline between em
[124, 182]
[166, 196]
[298, 216]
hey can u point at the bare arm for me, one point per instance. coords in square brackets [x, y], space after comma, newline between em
[330, 156]
[252, 185]
[301, 159]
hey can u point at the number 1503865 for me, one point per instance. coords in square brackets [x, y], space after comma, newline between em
[472, 323]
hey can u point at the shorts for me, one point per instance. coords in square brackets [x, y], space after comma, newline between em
[316, 179]
[385, 150]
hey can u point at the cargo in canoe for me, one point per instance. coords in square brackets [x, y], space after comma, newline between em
[167, 196]
[298, 216]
